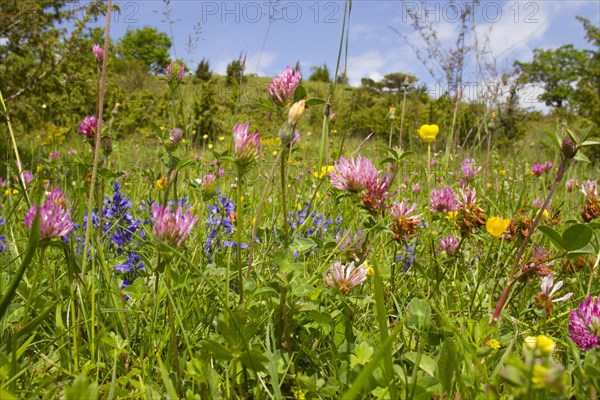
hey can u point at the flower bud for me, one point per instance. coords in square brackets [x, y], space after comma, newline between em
[98, 52]
[296, 112]
[175, 137]
[569, 148]
[106, 145]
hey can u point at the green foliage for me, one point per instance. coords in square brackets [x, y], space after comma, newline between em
[203, 72]
[148, 46]
[320, 74]
[235, 71]
[557, 71]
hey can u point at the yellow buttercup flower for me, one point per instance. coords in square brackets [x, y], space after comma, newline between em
[544, 213]
[497, 225]
[502, 172]
[428, 132]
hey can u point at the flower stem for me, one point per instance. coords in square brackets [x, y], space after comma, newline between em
[171, 315]
[238, 232]
[284, 198]
[509, 279]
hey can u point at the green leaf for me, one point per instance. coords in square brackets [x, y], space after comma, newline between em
[362, 354]
[426, 363]
[266, 104]
[581, 157]
[590, 143]
[367, 372]
[591, 366]
[299, 93]
[419, 314]
[254, 360]
[302, 245]
[172, 394]
[216, 349]
[34, 237]
[553, 236]
[447, 364]
[4, 395]
[554, 138]
[82, 388]
[184, 163]
[314, 102]
[576, 237]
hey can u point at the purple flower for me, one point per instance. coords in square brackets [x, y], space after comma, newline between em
[98, 52]
[468, 168]
[172, 228]
[377, 193]
[449, 244]
[246, 147]
[282, 87]
[540, 169]
[55, 219]
[2, 182]
[443, 200]
[2, 238]
[354, 176]
[88, 126]
[539, 261]
[416, 188]
[175, 71]
[571, 184]
[27, 176]
[345, 277]
[585, 324]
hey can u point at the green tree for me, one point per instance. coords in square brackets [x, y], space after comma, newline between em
[587, 98]
[146, 46]
[396, 81]
[203, 71]
[235, 71]
[320, 74]
[558, 71]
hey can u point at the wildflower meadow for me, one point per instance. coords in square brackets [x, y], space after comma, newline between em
[285, 256]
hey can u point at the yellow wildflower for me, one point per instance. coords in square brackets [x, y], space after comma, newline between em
[545, 345]
[493, 344]
[451, 216]
[428, 132]
[497, 225]
[370, 270]
[502, 172]
[161, 183]
[539, 376]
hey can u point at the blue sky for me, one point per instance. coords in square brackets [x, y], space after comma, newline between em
[274, 34]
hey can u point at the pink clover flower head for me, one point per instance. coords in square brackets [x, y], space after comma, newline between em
[246, 147]
[175, 71]
[449, 244]
[416, 188]
[3, 182]
[584, 325]
[540, 169]
[72, 152]
[55, 218]
[98, 52]
[54, 155]
[443, 200]
[468, 168]
[88, 126]
[589, 188]
[469, 197]
[27, 176]
[405, 223]
[377, 193]
[282, 87]
[354, 175]
[345, 277]
[571, 184]
[172, 228]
